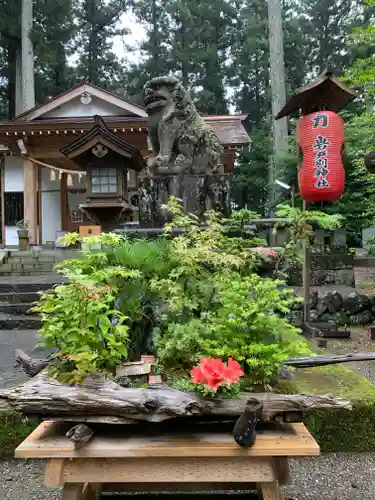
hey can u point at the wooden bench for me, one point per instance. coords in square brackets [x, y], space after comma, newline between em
[117, 462]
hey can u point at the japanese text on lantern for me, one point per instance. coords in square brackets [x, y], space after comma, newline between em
[321, 152]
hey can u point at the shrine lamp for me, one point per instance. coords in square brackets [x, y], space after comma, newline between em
[320, 137]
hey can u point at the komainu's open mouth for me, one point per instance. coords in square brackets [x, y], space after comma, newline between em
[154, 101]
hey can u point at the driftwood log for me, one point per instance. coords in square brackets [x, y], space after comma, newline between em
[312, 361]
[48, 398]
[30, 365]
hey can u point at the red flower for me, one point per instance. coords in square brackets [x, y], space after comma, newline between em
[265, 251]
[213, 373]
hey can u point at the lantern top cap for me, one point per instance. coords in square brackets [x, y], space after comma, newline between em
[326, 92]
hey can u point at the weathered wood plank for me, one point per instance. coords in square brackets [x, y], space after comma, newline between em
[282, 441]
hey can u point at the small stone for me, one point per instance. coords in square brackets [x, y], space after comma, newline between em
[9, 478]
[354, 485]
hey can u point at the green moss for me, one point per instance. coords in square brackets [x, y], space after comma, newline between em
[339, 380]
[13, 430]
[339, 430]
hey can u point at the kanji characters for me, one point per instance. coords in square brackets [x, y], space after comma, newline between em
[321, 161]
[320, 120]
[321, 143]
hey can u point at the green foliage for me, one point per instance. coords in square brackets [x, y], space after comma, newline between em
[218, 306]
[198, 293]
[301, 226]
[80, 321]
[300, 221]
[14, 428]
[69, 240]
[370, 246]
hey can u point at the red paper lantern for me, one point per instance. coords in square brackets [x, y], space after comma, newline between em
[320, 137]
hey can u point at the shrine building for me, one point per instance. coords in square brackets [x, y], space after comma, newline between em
[79, 154]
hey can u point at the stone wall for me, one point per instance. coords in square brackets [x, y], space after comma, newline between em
[333, 307]
[331, 262]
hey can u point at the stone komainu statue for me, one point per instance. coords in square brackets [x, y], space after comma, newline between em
[181, 140]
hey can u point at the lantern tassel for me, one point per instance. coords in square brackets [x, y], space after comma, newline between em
[69, 181]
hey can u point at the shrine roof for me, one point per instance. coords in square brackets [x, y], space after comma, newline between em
[52, 107]
[325, 91]
[99, 133]
[229, 128]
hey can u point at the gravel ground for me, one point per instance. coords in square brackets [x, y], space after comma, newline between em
[9, 341]
[334, 476]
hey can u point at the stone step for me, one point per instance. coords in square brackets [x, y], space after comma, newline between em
[21, 322]
[53, 254]
[15, 308]
[20, 266]
[44, 267]
[40, 259]
[19, 297]
[29, 285]
[10, 268]
[33, 274]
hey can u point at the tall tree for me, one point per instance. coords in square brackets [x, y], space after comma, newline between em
[53, 34]
[278, 92]
[10, 42]
[326, 24]
[214, 23]
[153, 16]
[97, 23]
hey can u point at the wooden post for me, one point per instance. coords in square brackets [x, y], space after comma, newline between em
[30, 172]
[3, 239]
[306, 277]
[64, 203]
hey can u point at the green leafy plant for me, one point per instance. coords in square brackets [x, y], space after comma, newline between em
[300, 224]
[69, 240]
[182, 298]
[218, 306]
[370, 246]
[80, 321]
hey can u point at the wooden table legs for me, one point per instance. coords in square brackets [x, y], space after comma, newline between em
[269, 473]
[81, 491]
[270, 491]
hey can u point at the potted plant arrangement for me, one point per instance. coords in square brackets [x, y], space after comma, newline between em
[217, 331]
[23, 235]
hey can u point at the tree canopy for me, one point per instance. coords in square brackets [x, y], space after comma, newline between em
[220, 50]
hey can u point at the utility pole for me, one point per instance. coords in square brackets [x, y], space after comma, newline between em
[278, 92]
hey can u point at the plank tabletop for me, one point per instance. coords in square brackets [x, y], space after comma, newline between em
[49, 441]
